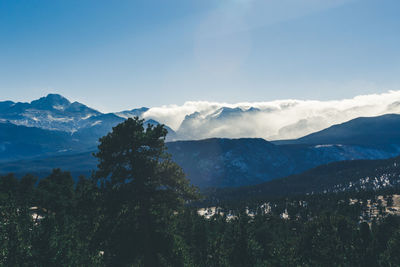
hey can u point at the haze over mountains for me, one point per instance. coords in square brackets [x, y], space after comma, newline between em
[53, 132]
[275, 120]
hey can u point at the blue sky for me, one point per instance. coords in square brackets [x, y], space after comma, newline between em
[116, 55]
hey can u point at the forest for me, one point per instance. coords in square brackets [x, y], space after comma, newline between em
[138, 209]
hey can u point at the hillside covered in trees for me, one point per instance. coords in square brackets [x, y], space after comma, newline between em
[57, 223]
[342, 176]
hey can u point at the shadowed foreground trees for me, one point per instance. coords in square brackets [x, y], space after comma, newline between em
[76, 236]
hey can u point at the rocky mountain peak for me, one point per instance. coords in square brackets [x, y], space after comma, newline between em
[51, 101]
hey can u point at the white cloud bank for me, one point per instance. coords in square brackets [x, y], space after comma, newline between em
[281, 119]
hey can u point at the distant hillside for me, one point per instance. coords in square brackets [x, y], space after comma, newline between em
[219, 162]
[341, 176]
[24, 142]
[77, 164]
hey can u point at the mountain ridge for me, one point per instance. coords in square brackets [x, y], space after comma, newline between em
[386, 130]
[211, 162]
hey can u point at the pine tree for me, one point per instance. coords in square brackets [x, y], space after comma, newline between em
[142, 190]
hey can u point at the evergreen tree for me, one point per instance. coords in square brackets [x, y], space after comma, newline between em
[391, 256]
[142, 190]
[16, 225]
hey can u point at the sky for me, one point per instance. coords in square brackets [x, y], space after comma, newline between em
[124, 54]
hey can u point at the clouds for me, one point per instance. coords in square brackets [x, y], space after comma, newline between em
[281, 119]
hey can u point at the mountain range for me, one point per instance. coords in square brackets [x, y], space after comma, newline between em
[53, 132]
[53, 124]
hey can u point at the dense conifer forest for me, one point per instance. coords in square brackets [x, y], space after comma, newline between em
[138, 209]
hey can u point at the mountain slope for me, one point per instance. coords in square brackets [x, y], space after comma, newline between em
[23, 142]
[222, 162]
[77, 164]
[368, 131]
[228, 162]
[53, 112]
